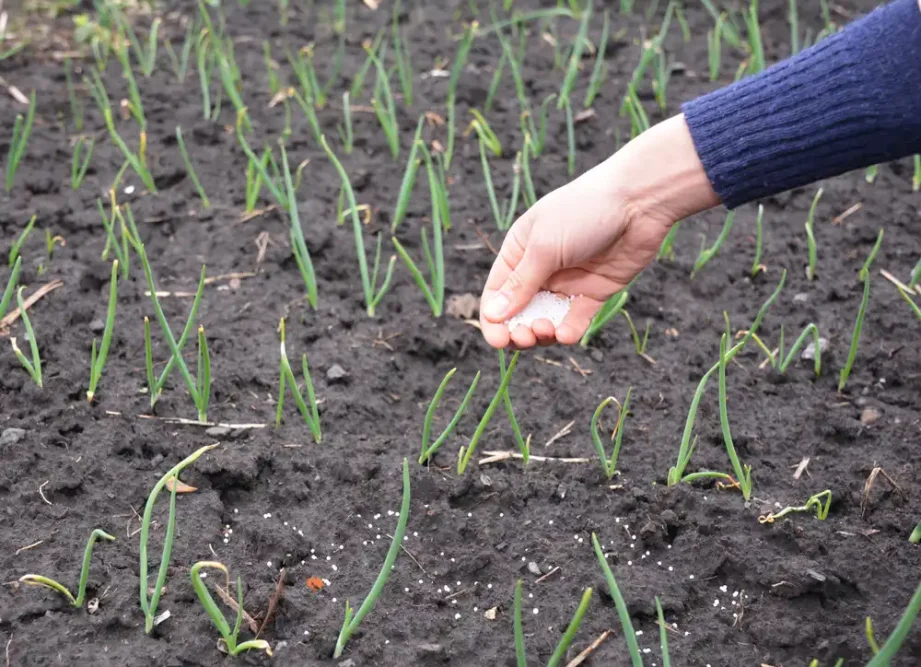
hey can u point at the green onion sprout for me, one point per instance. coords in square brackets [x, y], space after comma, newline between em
[810, 236]
[190, 169]
[33, 367]
[83, 151]
[820, 503]
[20, 240]
[429, 447]
[22, 130]
[308, 409]
[757, 266]
[855, 336]
[38, 580]
[621, 606]
[466, 453]
[600, 67]
[706, 254]
[609, 463]
[229, 636]
[98, 360]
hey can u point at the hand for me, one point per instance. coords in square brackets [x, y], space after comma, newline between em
[590, 238]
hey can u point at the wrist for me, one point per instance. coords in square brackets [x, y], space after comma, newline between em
[661, 176]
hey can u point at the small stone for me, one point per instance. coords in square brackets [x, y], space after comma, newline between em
[11, 436]
[501, 546]
[463, 306]
[97, 326]
[802, 297]
[218, 431]
[490, 614]
[347, 663]
[534, 569]
[809, 350]
[430, 649]
[869, 416]
[597, 355]
[336, 373]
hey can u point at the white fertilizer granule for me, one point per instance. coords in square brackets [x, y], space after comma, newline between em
[544, 306]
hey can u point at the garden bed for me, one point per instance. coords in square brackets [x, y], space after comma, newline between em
[738, 592]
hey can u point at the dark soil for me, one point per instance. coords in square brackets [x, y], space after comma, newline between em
[740, 593]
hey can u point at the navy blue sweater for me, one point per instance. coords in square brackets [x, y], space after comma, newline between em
[851, 101]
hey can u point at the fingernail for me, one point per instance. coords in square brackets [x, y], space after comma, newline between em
[496, 307]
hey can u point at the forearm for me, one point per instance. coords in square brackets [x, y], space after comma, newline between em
[851, 101]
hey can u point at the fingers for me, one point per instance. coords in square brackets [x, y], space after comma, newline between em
[576, 322]
[513, 282]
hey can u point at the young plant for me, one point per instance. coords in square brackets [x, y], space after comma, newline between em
[524, 445]
[372, 293]
[33, 367]
[855, 336]
[20, 240]
[757, 266]
[229, 636]
[409, 178]
[354, 618]
[888, 651]
[76, 106]
[743, 473]
[559, 652]
[39, 580]
[401, 55]
[820, 503]
[730, 32]
[687, 446]
[384, 106]
[308, 408]
[521, 657]
[756, 62]
[199, 387]
[466, 453]
[345, 130]
[715, 47]
[22, 130]
[663, 74]
[810, 236]
[429, 447]
[622, 612]
[780, 362]
[495, 82]
[150, 599]
[359, 81]
[134, 105]
[180, 62]
[916, 178]
[98, 360]
[871, 174]
[639, 121]
[663, 635]
[570, 140]
[10, 287]
[611, 308]
[638, 343]
[146, 57]
[865, 269]
[460, 60]
[915, 537]
[609, 463]
[434, 293]
[83, 151]
[793, 18]
[575, 58]
[190, 169]
[298, 244]
[667, 249]
[600, 68]
[706, 254]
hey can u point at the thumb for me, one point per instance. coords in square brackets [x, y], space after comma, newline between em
[521, 283]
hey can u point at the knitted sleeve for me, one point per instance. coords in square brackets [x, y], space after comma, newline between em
[851, 101]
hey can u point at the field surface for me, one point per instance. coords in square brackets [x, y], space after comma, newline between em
[734, 591]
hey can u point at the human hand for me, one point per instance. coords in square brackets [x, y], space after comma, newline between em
[591, 237]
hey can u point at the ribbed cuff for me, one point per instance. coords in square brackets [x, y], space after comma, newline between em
[851, 101]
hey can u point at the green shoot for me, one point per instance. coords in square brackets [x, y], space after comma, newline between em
[530, 195]
[190, 169]
[490, 188]
[566, 640]
[715, 47]
[83, 151]
[122, 252]
[855, 337]
[372, 293]
[575, 58]
[621, 606]
[905, 295]
[135, 105]
[258, 166]
[10, 287]
[570, 140]
[460, 60]
[308, 408]
[495, 82]
[915, 537]
[271, 68]
[871, 636]
[38, 580]
[76, 107]
[409, 178]
[915, 277]
[686, 448]
[429, 447]
[22, 130]
[204, 62]
[150, 599]
[600, 68]
[611, 308]
[401, 54]
[520, 655]
[609, 463]
[826, 15]
[871, 174]
[33, 367]
[298, 244]
[200, 389]
[810, 236]
[781, 362]
[793, 18]
[733, 38]
[384, 106]
[865, 269]
[20, 240]
[345, 131]
[663, 73]
[639, 121]
[466, 453]
[820, 502]
[706, 254]
[359, 81]
[228, 636]
[916, 178]
[663, 635]
[527, 17]
[667, 250]
[638, 343]
[888, 650]
[756, 61]
[147, 58]
[524, 445]
[353, 619]
[757, 266]
[434, 293]
[180, 62]
[742, 473]
[685, 33]
[98, 360]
